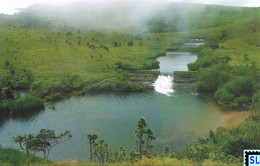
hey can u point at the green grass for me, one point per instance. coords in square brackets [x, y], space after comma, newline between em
[55, 57]
[235, 41]
[229, 63]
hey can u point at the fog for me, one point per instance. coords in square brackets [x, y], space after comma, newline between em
[99, 14]
[154, 15]
[10, 6]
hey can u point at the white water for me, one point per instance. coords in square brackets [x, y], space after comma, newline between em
[173, 61]
[164, 84]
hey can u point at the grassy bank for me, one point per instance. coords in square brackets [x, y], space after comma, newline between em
[228, 65]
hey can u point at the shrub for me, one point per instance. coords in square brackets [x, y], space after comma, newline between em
[241, 101]
[15, 157]
[235, 92]
[48, 87]
[22, 79]
[73, 81]
[210, 79]
[208, 61]
[256, 101]
[224, 97]
[130, 43]
[240, 86]
[25, 103]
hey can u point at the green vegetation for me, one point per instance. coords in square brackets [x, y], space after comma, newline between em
[118, 83]
[10, 156]
[12, 80]
[140, 131]
[228, 144]
[92, 139]
[229, 69]
[166, 149]
[198, 152]
[21, 105]
[49, 63]
[43, 142]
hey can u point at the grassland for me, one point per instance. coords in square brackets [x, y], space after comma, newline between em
[235, 40]
[57, 58]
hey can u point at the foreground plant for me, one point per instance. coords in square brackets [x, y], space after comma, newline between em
[44, 141]
[25, 143]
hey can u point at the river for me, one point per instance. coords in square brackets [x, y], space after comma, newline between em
[178, 117]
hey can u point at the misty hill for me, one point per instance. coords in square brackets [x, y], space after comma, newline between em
[148, 17]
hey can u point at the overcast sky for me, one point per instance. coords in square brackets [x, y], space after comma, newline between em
[10, 6]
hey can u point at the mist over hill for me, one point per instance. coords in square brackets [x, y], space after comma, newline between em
[138, 16]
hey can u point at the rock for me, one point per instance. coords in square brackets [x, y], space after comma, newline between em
[143, 77]
[185, 76]
[184, 80]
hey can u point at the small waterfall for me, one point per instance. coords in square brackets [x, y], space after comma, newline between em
[164, 84]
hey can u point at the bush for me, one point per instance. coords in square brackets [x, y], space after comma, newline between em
[244, 136]
[130, 43]
[240, 86]
[224, 97]
[241, 101]
[210, 79]
[49, 87]
[256, 101]
[15, 157]
[73, 81]
[22, 79]
[25, 103]
[208, 61]
[235, 92]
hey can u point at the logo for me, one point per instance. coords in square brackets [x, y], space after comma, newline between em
[252, 157]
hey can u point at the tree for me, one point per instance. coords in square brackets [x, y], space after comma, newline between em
[134, 156]
[101, 151]
[139, 132]
[166, 149]
[92, 138]
[199, 151]
[120, 154]
[150, 137]
[25, 143]
[46, 139]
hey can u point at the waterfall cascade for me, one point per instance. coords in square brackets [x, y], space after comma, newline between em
[164, 84]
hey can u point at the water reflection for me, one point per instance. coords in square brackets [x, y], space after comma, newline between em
[19, 116]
